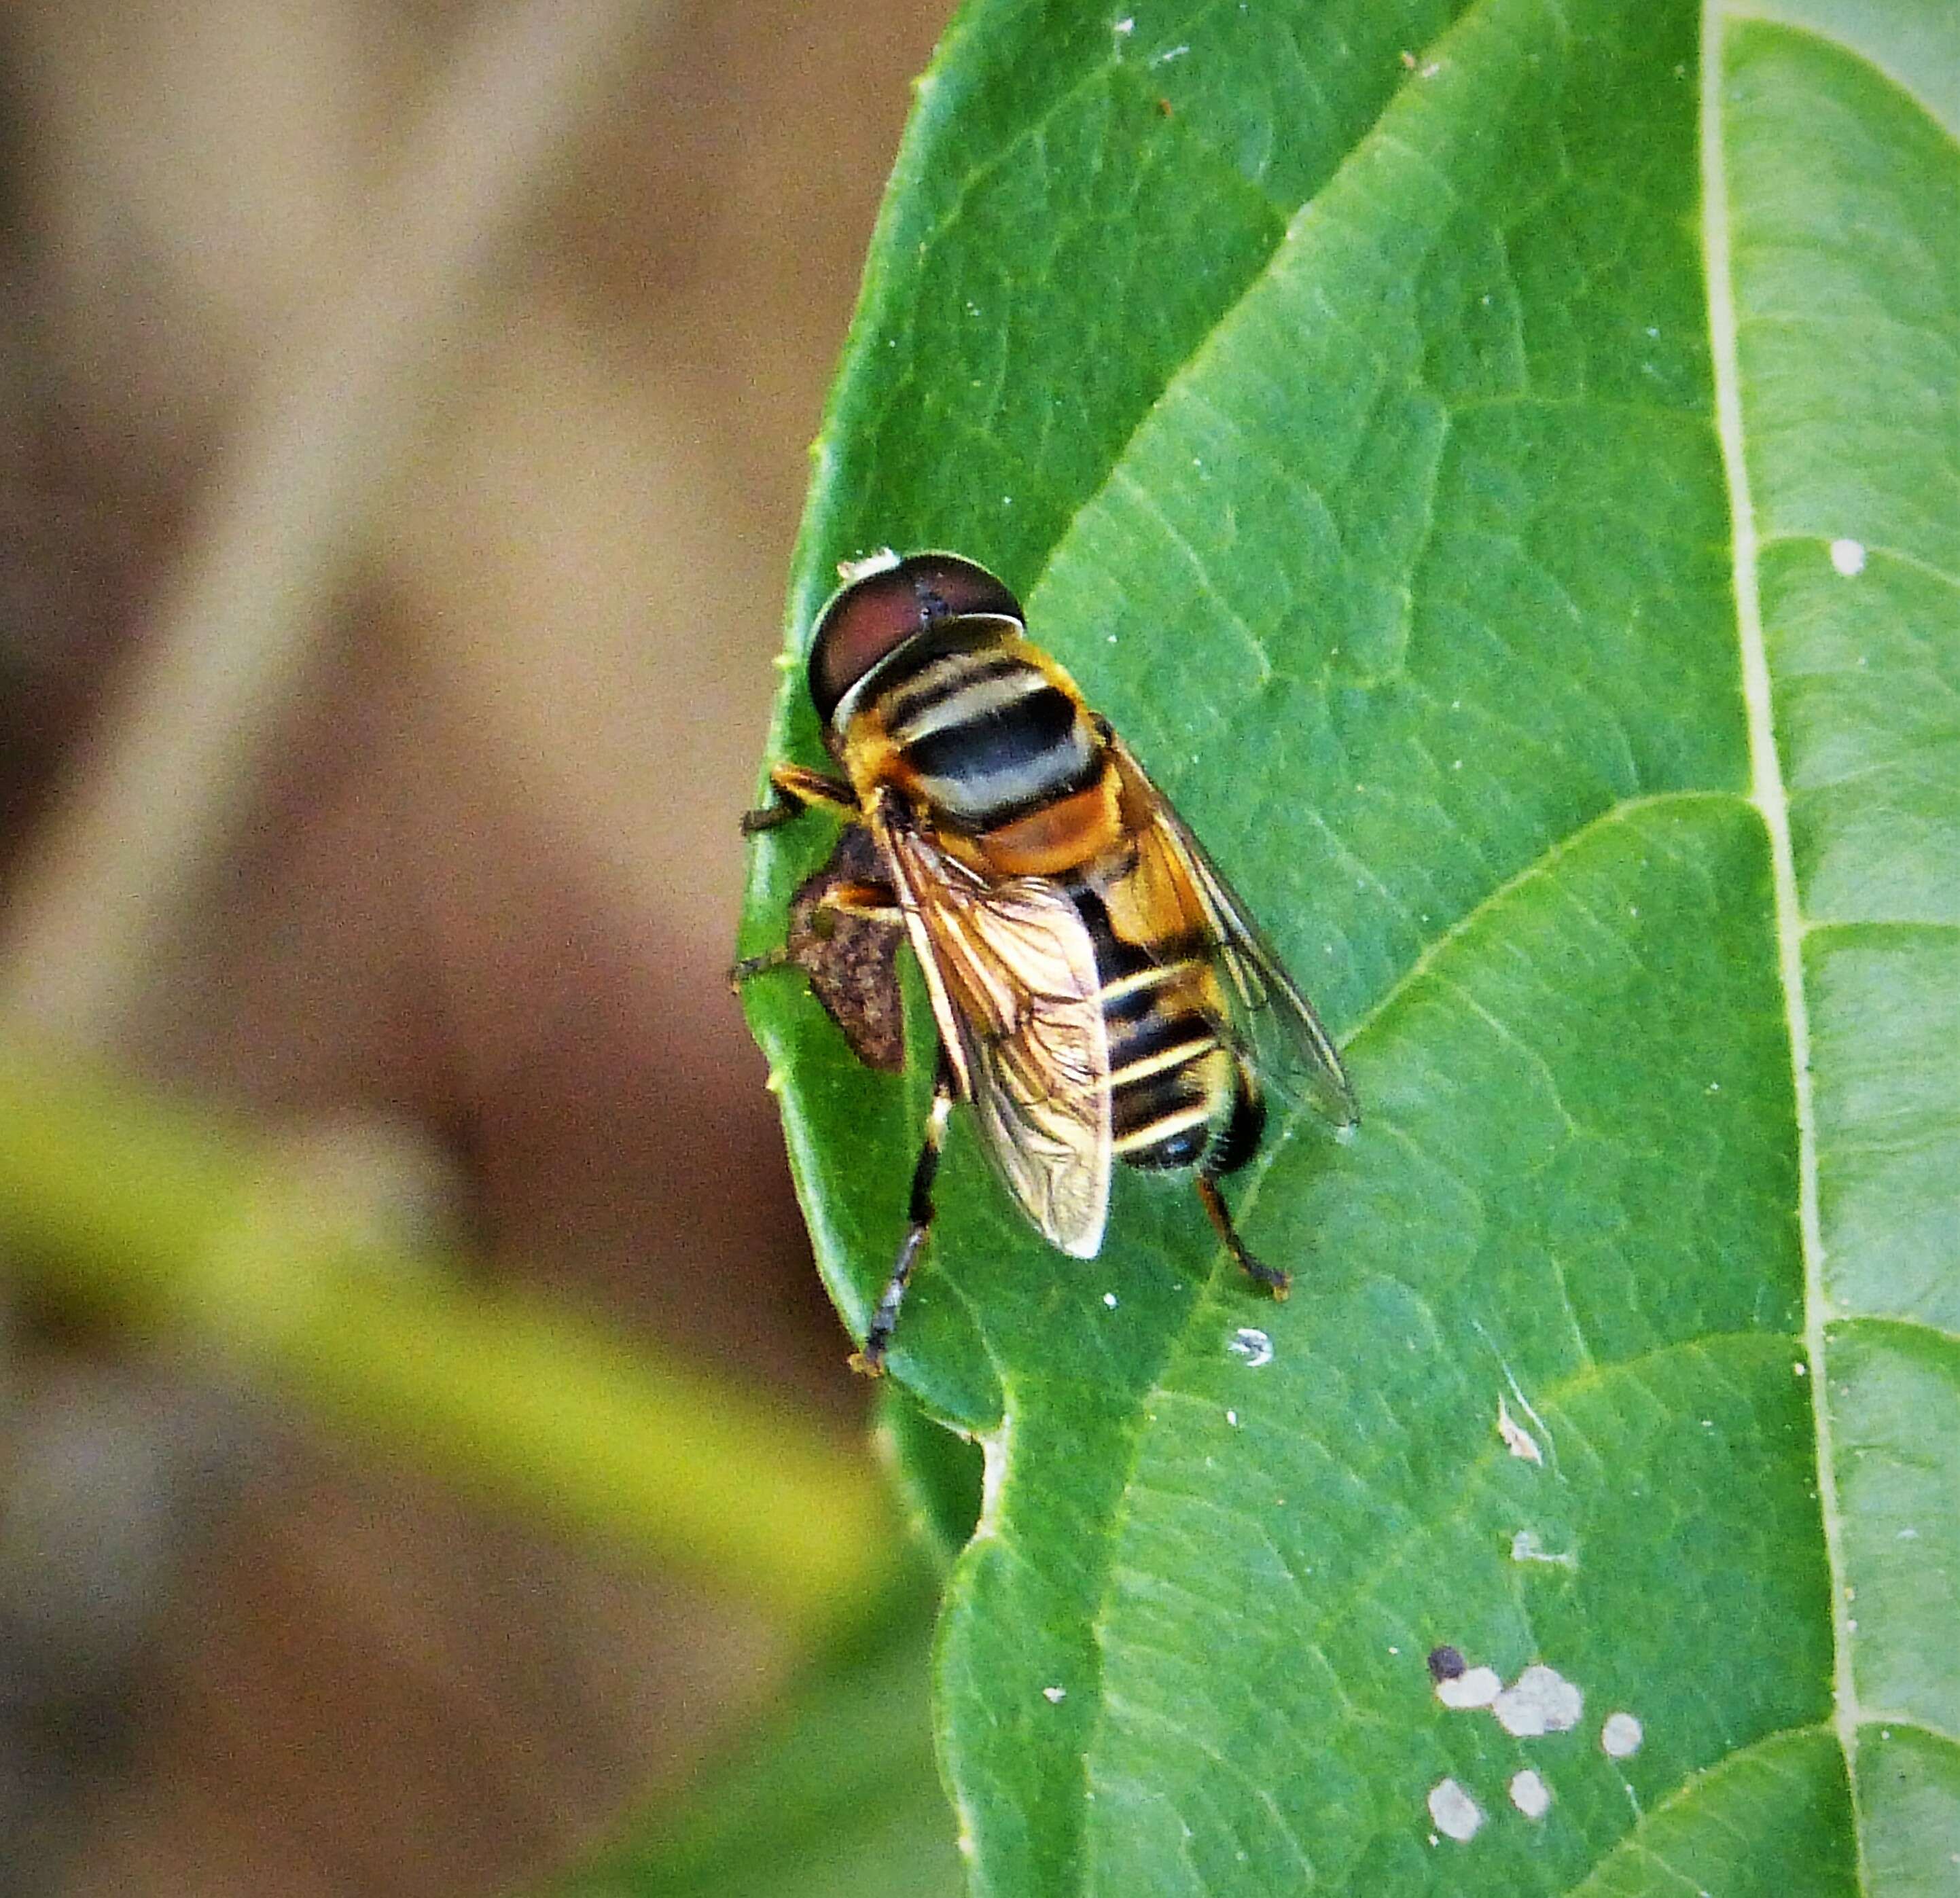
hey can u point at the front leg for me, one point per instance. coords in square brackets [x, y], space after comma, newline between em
[797, 789]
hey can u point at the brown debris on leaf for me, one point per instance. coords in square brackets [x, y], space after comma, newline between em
[852, 961]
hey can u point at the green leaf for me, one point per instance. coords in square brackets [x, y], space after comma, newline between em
[839, 1799]
[1499, 464]
[938, 1474]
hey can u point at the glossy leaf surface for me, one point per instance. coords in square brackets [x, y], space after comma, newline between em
[1499, 466]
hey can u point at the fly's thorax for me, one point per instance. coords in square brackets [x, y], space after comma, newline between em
[1061, 838]
[987, 739]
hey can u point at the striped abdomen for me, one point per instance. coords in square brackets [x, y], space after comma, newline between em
[1176, 1095]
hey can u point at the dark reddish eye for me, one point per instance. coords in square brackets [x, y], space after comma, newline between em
[877, 613]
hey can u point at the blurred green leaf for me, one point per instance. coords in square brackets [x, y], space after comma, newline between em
[839, 1799]
[278, 1258]
[1500, 465]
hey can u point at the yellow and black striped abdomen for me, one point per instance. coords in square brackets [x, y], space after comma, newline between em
[1173, 1080]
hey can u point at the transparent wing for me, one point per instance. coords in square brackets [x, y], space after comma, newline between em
[1011, 971]
[1289, 1048]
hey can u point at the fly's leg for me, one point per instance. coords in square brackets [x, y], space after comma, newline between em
[866, 902]
[751, 966]
[1277, 1283]
[870, 902]
[1236, 1145]
[797, 789]
[884, 1320]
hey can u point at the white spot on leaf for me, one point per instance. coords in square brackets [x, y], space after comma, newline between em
[1055, 1696]
[1526, 1547]
[1548, 1445]
[1530, 1794]
[1475, 1687]
[1621, 1736]
[1540, 1700]
[1517, 1439]
[1848, 558]
[1456, 1814]
[1249, 1342]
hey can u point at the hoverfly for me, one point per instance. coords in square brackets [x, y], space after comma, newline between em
[1100, 993]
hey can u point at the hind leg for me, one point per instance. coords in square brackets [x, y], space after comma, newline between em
[1231, 1150]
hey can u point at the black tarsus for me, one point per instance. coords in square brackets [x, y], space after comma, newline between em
[797, 789]
[919, 1211]
[1275, 1281]
[768, 817]
[751, 966]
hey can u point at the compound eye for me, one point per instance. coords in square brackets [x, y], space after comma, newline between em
[886, 605]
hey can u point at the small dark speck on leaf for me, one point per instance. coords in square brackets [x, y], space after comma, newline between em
[1445, 1664]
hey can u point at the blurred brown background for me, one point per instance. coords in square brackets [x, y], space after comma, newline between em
[450, 892]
